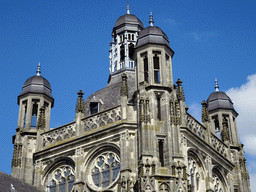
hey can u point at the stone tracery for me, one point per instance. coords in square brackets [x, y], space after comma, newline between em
[61, 179]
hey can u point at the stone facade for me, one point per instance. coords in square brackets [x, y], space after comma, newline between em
[135, 135]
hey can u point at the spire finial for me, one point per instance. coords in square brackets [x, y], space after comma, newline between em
[128, 9]
[216, 85]
[151, 21]
[38, 71]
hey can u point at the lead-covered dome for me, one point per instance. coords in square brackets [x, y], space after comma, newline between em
[37, 84]
[219, 100]
[154, 35]
[128, 19]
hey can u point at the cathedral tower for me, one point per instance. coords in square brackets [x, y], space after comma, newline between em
[35, 101]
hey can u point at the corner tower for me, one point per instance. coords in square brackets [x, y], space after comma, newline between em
[34, 100]
[161, 112]
[222, 123]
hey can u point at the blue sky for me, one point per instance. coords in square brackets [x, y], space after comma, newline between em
[211, 39]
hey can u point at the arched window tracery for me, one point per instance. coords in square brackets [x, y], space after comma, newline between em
[217, 182]
[105, 169]
[61, 179]
[164, 188]
[195, 171]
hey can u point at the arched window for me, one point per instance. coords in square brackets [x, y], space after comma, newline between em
[217, 182]
[105, 169]
[61, 179]
[195, 173]
[34, 113]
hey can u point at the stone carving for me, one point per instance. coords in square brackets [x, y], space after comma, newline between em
[41, 119]
[80, 102]
[144, 112]
[164, 187]
[124, 87]
[58, 134]
[217, 183]
[125, 135]
[205, 114]
[102, 119]
[180, 92]
[16, 160]
[153, 165]
[79, 151]
[38, 164]
[141, 110]
[243, 167]
[196, 127]
[224, 133]
[175, 112]
[218, 145]
[147, 111]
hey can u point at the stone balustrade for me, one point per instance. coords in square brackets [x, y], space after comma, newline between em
[101, 119]
[59, 134]
[196, 127]
[199, 130]
[218, 145]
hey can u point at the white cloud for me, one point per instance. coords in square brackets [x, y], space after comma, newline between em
[252, 182]
[244, 99]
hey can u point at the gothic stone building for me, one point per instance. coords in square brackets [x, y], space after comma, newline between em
[134, 135]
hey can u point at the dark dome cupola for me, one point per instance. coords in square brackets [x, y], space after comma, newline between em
[219, 100]
[124, 37]
[36, 93]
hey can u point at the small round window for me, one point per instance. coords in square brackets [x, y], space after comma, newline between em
[105, 169]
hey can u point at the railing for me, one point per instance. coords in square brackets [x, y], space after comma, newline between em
[199, 130]
[196, 127]
[102, 119]
[59, 134]
[218, 145]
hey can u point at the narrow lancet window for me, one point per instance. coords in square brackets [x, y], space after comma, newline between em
[161, 151]
[146, 69]
[156, 70]
[122, 52]
[158, 98]
[34, 114]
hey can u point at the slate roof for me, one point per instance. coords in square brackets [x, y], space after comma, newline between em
[11, 184]
[152, 34]
[37, 84]
[110, 95]
[219, 100]
[128, 18]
